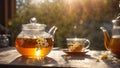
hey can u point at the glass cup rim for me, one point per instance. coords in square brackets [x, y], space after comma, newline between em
[75, 39]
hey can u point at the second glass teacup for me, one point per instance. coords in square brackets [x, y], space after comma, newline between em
[77, 44]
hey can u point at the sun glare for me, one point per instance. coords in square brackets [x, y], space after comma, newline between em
[37, 1]
[73, 5]
[38, 53]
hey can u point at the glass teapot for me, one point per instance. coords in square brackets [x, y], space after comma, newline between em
[113, 43]
[33, 41]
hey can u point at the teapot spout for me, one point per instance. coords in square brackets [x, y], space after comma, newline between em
[52, 30]
[106, 37]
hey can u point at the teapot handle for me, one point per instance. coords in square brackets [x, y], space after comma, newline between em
[87, 43]
[53, 30]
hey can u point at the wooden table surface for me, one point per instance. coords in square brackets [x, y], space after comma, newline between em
[57, 58]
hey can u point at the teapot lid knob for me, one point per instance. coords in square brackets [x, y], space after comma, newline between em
[33, 20]
[34, 24]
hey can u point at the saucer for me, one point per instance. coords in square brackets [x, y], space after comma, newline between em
[75, 53]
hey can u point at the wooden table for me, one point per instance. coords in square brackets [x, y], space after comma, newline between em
[57, 58]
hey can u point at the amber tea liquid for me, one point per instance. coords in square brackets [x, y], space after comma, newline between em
[27, 47]
[75, 48]
[115, 45]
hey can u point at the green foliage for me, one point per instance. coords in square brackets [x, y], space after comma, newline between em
[87, 16]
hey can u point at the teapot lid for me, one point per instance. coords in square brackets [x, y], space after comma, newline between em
[33, 25]
[116, 21]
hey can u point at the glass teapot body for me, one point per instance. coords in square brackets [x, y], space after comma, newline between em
[114, 44]
[33, 41]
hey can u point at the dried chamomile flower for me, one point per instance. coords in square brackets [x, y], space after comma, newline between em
[77, 47]
[41, 42]
[104, 56]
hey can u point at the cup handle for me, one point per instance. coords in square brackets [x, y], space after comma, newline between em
[88, 43]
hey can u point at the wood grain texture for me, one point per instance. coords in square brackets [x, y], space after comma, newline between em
[58, 58]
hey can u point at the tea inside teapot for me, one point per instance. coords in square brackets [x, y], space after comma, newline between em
[30, 47]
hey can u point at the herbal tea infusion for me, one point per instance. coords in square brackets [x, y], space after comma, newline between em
[28, 47]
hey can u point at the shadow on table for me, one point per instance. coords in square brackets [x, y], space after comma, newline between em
[67, 57]
[34, 62]
[112, 63]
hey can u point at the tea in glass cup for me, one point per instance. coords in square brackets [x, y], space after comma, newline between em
[77, 44]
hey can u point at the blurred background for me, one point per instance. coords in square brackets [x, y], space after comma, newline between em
[74, 18]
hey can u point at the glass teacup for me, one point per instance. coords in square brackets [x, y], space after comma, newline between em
[77, 44]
